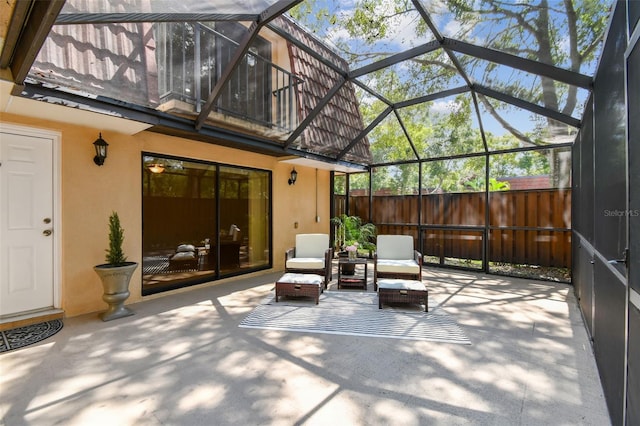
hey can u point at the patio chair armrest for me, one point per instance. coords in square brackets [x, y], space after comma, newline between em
[289, 254]
[375, 270]
[417, 256]
[328, 255]
[328, 258]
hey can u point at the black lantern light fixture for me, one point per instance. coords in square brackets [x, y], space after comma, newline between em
[294, 176]
[101, 150]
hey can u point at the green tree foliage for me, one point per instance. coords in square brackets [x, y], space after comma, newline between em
[351, 229]
[564, 33]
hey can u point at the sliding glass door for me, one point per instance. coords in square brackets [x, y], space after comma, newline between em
[202, 221]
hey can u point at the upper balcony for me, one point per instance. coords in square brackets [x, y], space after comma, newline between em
[280, 95]
[173, 67]
[260, 95]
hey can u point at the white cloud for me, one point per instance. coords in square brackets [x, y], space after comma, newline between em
[444, 107]
[452, 28]
[564, 44]
[436, 6]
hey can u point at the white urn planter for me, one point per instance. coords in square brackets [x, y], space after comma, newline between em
[115, 284]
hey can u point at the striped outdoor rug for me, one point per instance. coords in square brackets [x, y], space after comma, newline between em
[356, 314]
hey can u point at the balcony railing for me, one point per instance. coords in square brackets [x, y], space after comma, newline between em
[191, 57]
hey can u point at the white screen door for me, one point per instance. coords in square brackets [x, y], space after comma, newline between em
[26, 223]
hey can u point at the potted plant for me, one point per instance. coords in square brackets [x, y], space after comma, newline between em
[350, 230]
[357, 236]
[116, 273]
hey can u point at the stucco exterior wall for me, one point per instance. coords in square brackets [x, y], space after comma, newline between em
[89, 193]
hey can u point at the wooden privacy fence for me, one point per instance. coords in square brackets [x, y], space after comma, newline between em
[525, 227]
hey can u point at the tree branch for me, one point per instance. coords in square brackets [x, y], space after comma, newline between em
[438, 63]
[517, 16]
[572, 23]
[519, 135]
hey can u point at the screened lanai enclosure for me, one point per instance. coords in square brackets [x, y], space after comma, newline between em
[452, 121]
[501, 135]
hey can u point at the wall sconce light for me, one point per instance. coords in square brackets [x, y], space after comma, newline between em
[101, 150]
[294, 176]
[156, 168]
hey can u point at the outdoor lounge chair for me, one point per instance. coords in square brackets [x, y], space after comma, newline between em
[311, 255]
[395, 257]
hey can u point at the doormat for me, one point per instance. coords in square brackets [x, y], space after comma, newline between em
[28, 335]
[357, 314]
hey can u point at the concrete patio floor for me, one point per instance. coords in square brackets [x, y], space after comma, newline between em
[183, 360]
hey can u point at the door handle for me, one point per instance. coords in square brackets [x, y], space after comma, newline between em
[47, 232]
[624, 259]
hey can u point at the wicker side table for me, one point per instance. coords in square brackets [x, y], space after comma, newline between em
[299, 285]
[402, 291]
[358, 280]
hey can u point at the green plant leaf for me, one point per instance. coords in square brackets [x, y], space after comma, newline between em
[115, 254]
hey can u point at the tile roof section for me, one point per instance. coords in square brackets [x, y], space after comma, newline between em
[339, 122]
[113, 57]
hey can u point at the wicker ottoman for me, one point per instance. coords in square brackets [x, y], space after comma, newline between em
[402, 291]
[292, 284]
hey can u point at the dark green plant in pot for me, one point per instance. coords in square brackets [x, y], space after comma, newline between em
[350, 229]
[115, 274]
[115, 255]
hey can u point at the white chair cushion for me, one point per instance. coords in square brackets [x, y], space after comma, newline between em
[185, 248]
[395, 247]
[311, 245]
[184, 255]
[396, 284]
[292, 278]
[305, 263]
[398, 266]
